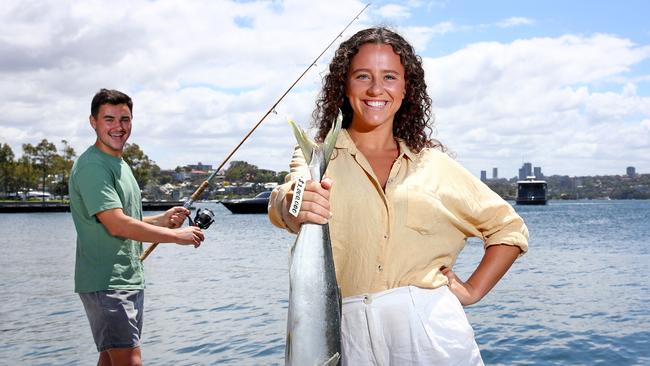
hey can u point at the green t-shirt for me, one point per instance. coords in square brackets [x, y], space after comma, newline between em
[98, 182]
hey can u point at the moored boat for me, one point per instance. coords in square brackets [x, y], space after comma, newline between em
[257, 204]
[531, 191]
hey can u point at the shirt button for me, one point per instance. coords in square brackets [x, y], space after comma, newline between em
[385, 236]
[380, 268]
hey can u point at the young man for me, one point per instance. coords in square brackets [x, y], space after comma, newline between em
[107, 211]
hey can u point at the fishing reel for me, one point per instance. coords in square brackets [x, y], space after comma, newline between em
[203, 219]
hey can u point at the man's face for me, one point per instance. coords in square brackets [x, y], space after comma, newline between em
[113, 128]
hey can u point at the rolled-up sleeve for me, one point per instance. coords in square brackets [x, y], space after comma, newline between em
[487, 215]
[509, 230]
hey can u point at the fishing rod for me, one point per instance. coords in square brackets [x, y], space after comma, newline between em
[204, 217]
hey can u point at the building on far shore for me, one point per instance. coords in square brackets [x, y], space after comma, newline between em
[200, 166]
[483, 175]
[631, 171]
[527, 170]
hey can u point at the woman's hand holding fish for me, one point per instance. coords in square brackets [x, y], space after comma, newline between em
[315, 207]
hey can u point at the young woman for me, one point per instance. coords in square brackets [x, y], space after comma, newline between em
[399, 210]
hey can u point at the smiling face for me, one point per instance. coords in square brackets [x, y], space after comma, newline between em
[375, 87]
[113, 128]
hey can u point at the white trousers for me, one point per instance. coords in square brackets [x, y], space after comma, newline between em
[407, 326]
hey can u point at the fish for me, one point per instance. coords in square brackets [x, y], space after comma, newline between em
[314, 315]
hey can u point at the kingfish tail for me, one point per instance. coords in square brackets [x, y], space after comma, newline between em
[330, 139]
[307, 144]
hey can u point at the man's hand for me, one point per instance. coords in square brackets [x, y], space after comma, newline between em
[190, 235]
[174, 217]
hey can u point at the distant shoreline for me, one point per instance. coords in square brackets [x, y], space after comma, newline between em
[32, 206]
[35, 207]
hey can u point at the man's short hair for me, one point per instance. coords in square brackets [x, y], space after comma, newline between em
[109, 96]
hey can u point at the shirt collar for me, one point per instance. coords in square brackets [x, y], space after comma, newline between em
[405, 150]
[344, 141]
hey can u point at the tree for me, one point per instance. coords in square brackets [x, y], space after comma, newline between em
[504, 188]
[142, 167]
[62, 165]
[6, 167]
[45, 153]
[280, 177]
[42, 156]
[25, 177]
[241, 171]
[264, 176]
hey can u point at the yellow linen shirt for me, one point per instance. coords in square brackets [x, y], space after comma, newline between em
[403, 235]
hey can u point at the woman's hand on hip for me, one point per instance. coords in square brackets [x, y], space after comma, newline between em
[496, 261]
[462, 290]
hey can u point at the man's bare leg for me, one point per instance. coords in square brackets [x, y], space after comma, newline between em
[104, 359]
[125, 356]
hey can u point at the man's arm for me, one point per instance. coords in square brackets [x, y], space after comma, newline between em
[120, 225]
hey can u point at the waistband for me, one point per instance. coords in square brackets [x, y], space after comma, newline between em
[398, 291]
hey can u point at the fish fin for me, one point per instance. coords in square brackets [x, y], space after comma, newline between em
[332, 135]
[333, 361]
[305, 142]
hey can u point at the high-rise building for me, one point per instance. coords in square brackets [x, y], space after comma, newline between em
[483, 175]
[538, 172]
[495, 173]
[525, 171]
[631, 171]
[528, 168]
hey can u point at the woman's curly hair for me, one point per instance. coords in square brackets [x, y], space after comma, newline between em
[411, 120]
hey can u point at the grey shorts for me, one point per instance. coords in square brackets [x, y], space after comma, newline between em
[115, 317]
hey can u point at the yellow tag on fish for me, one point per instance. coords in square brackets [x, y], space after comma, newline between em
[298, 191]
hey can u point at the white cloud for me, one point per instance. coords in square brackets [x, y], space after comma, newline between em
[577, 149]
[615, 107]
[393, 12]
[420, 37]
[515, 21]
[535, 99]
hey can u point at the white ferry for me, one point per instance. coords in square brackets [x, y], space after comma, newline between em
[531, 191]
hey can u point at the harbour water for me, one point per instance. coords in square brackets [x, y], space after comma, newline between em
[581, 296]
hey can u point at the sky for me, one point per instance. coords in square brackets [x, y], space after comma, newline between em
[564, 85]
